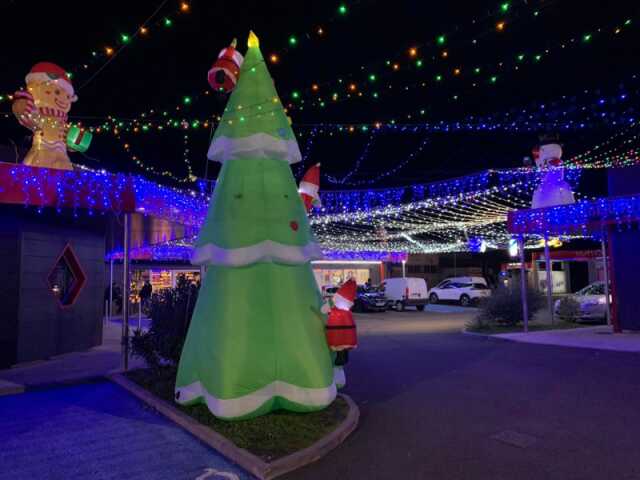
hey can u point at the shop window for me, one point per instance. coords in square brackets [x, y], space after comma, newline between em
[66, 279]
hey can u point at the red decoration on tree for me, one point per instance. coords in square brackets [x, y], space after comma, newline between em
[310, 187]
[224, 73]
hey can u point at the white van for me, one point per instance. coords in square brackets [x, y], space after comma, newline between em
[403, 292]
[464, 290]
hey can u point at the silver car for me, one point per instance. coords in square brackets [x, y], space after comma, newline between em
[592, 302]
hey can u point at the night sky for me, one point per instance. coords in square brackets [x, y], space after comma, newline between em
[157, 70]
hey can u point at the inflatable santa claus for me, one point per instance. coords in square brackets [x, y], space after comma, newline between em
[341, 329]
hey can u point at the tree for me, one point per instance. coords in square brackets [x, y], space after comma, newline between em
[256, 342]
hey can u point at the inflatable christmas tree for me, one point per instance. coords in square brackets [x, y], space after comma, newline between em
[256, 342]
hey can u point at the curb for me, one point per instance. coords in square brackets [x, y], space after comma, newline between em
[10, 388]
[486, 336]
[247, 460]
[464, 331]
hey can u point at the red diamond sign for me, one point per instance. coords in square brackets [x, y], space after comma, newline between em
[66, 278]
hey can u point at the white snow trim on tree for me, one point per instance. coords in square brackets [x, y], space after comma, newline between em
[240, 406]
[267, 252]
[258, 145]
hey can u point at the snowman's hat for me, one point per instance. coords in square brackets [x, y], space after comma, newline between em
[547, 138]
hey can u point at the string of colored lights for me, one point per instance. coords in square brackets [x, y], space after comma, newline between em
[478, 125]
[102, 56]
[452, 223]
[356, 167]
[460, 226]
[184, 124]
[306, 152]
[382, 175]
[411, 60]
[186, 157]
[293, 41]
[356, 90]
[589, 108]
[145, 167]
[110, 51]
[579, 218]
[319, 31]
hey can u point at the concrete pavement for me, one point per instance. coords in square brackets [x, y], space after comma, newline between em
[98, 431]
[600, 337]
[72, 367]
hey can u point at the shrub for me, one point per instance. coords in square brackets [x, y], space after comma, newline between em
[568, 309]
[171, 312]
[504, 307]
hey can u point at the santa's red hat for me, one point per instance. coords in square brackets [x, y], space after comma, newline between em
[310, 185]
[346, 295]
[50, 72]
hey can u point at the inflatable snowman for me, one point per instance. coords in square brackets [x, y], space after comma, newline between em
[553, 189]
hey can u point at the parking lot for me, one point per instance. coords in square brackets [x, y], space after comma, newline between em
[439, 404]
[435, 318]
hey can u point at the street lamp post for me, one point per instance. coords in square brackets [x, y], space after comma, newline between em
[523, 285]
[125, 300]
[605, 265]
[547, 259]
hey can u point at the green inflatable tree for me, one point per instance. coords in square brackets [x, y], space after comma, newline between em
[256, 341]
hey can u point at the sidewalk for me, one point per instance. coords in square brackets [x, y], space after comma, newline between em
[70, 367]
[600, 337]
[99, 431]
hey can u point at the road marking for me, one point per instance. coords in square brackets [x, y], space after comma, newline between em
[515, 439]
[213, 473]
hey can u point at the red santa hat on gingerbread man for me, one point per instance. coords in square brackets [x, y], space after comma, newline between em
[310, 187]
[50, 72]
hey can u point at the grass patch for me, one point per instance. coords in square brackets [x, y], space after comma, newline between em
[533, 327]
[269, 437]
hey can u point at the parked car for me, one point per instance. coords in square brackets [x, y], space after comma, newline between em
[369, 300]
[404, 292]
[464, 290]
[592, 302]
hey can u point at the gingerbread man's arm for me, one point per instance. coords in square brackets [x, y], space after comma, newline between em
[24, 109]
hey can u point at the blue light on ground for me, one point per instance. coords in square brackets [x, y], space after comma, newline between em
[96, 431]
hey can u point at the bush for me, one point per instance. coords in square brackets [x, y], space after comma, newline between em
[568, 309]
[504, 307]
[171, 312]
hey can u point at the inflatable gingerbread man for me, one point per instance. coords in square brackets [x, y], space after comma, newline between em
[43, 109]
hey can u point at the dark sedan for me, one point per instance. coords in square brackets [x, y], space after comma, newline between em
[369, 300]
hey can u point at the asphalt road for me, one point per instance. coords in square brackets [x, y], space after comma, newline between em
[436, 404]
